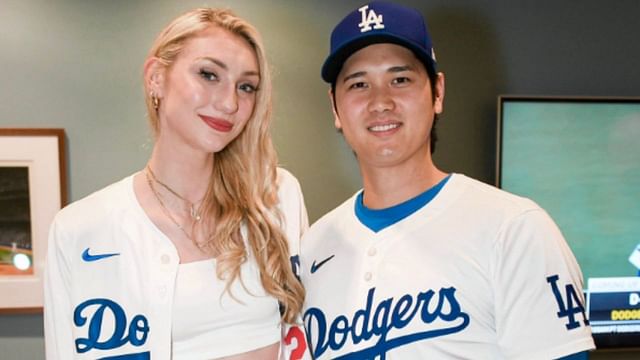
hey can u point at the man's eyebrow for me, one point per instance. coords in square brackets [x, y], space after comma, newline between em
[354, 75]
[395, 69]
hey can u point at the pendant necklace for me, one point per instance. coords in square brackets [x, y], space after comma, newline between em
[165, 210]
[193, 211]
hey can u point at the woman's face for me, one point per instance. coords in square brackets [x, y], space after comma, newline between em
[209, 92]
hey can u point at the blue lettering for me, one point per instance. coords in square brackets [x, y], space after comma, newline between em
[450, 295]
[340, 326]
[317, 315]
[139, 325]
[138, 330]
[573, 304]
[426, 299]
[403, 305]
[388, 314]
[362, 314]
[139, 356]
[381, 316]
[295, 265]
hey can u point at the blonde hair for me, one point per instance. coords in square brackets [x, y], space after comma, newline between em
[243, 187]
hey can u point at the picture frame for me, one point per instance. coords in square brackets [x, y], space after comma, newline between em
[33, 188]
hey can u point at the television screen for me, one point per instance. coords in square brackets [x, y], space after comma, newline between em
[579, 158]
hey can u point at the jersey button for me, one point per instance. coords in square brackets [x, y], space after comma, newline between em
[372, 251]
[367, 276]
[165, 259]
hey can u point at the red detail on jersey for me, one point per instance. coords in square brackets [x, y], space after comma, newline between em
[296, 333]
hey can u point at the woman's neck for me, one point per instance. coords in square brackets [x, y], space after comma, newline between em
[187, 175]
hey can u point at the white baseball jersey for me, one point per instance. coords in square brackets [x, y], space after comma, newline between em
[110, 278]
[476, 273]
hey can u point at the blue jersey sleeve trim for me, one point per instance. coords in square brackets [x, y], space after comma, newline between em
[378, 219]
[577, 356]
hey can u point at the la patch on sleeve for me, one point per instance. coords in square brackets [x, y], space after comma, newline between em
[569, 304]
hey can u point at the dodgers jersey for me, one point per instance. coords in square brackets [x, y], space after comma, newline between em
[476, 273]
[110, 278]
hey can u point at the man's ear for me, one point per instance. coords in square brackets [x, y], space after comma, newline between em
[438, 98]
[154, 75]
[336, 118]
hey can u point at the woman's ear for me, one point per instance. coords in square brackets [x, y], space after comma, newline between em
[154, 74]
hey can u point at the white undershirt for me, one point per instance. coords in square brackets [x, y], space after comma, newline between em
[208, 323]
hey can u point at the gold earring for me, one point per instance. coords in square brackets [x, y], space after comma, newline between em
[154, 100]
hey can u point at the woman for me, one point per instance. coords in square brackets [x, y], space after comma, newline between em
[190, 257]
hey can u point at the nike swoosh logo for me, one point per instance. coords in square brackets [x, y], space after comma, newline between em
[89, 257]
[315, 267]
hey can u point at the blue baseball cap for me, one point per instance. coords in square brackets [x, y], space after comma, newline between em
[374, 23]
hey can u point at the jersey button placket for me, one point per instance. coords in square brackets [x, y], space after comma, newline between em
[166, 266]
[370, 262]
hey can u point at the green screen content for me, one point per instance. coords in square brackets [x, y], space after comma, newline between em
[580, 161]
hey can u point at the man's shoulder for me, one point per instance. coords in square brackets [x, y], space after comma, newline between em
[474, 191]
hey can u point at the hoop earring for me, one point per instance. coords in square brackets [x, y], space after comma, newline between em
[155, 101]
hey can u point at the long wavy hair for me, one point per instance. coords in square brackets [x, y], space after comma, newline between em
[242, 192]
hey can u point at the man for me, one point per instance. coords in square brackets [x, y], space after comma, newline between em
[422, 264]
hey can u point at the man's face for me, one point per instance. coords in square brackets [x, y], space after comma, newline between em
[384, 105]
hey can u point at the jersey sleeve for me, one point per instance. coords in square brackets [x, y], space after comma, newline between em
[57, 305]
[294, 211]
[539, 303]
[293, 345]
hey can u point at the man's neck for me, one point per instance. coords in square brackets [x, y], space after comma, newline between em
[389, 186]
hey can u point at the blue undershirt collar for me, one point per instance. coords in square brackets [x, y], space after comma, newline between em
[378, 219]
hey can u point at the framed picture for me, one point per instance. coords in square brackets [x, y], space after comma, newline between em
[32, 190]
[579, 159]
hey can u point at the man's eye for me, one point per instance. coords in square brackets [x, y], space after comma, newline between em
[358, 85]
[207, 75]
[401, 80]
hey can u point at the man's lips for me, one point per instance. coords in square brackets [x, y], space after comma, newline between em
[217, 124]
[384, 128]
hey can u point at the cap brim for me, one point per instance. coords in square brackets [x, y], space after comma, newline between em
[333, 64]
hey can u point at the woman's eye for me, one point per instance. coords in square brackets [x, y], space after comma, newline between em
[248, 88]
[208, 75]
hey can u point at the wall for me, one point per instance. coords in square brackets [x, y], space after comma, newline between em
[76, 65]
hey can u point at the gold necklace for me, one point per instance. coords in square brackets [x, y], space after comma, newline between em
[166, 210]
[193, 211]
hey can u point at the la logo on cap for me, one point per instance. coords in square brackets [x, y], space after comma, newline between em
[369, 18]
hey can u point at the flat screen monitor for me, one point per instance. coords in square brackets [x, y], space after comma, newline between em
[579, 159]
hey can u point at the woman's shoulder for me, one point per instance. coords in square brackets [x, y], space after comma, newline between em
[286, 178]
[98, 204]
[291, 203]
[289, 188]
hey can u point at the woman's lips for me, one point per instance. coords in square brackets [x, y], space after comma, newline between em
[217, 124]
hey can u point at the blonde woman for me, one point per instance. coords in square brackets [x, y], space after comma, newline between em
[191, 257]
